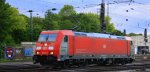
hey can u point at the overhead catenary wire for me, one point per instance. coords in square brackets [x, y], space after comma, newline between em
[48, 3]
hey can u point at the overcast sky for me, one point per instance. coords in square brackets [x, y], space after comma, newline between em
[138, 11]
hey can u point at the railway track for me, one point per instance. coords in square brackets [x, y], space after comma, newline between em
[91, 68]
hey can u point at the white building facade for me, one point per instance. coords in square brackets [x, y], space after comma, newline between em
[140, 44]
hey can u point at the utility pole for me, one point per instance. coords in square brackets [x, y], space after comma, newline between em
[31, 25]
[102, 18]
[108, 8]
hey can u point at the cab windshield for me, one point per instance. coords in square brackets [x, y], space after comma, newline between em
[47, 37]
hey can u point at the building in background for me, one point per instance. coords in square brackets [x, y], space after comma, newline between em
[140, 46]
[29, 48]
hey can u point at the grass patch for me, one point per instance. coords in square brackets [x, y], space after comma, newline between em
[16, 60]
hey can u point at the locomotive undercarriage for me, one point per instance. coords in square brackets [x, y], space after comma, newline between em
[51, 60]
[107, 61]
[44, 60]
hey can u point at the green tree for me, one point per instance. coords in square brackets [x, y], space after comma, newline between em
[134, 34]
[51, 21]
[10, 21]
[86, 22]
[89, 22]
[117, 32]
[67, 18]
[38, 26]
[67, 15]
[67, 10]
[110, 26]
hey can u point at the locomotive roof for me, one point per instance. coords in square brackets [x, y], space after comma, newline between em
[100, 35]
[97, 35]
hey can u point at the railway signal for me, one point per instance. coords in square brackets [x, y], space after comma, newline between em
[145, 35]
[124, 32]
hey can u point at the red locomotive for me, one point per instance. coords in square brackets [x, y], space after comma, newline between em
[66, 47]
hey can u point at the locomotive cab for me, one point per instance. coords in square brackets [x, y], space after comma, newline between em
[46, 42]
[45, 48]
[51, 47]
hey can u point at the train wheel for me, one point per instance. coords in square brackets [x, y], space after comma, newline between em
[57, 65]
[110, 61]
[34, 62]
[123, 62]
[43, 63]
[63, 65]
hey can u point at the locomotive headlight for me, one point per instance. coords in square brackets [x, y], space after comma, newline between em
[37, 52]
[51, 53]
[50, 48]
[38, 48]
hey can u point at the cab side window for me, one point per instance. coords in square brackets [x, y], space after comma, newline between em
[131, 43]
[66, 39]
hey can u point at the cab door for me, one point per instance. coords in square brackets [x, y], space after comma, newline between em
[132, 48]
[64, 48]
